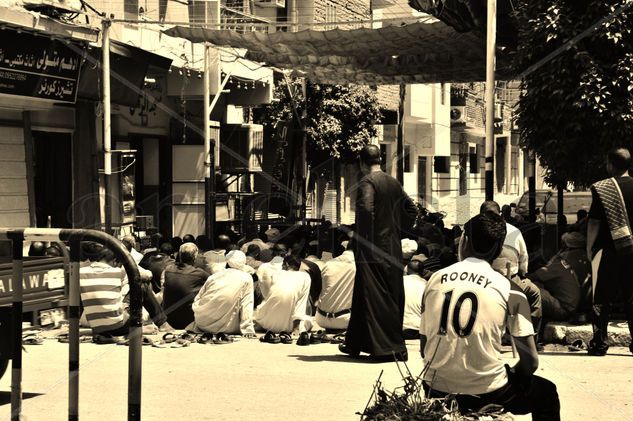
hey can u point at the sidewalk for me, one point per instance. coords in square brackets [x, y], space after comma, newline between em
[566, 333]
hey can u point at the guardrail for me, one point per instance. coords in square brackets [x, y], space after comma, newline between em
[75, 237]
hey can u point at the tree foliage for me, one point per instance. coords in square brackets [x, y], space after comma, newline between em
[340, 120]
[579, 104]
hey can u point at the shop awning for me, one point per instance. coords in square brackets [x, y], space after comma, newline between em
[427, 51]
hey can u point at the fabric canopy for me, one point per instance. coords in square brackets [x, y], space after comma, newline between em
[427, 51]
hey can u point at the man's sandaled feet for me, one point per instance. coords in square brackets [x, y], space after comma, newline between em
[222, 338]
[285, 338]
[104, 339]
[32, 339]
[270, 337]
[205, 338]
[304, 339]
[346, 350]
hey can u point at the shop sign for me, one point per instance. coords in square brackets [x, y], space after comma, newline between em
[38, 66]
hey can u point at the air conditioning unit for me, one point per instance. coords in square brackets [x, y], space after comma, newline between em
[242, 147]
[458, 114]
[271, 3]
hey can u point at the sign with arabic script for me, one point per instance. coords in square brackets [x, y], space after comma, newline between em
[38, 66]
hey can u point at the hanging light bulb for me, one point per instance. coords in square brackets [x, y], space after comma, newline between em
[238, 85]
[180, 72]
[254, 85]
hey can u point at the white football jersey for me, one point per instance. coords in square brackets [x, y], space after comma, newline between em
[465, 310]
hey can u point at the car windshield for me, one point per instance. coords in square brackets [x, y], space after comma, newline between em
[523, 205]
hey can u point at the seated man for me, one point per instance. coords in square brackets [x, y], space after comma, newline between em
[413, 291]
[559, 283]
[101, 283]
[334, 305]
[252, 256]
[284, 305]
[129, 241]
[216, 258]
[465, 310]
[157, 263]
[182, 283]
[225, 302]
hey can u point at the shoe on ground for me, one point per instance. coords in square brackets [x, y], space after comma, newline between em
[304, 339]
[596, 350]
[346, 350]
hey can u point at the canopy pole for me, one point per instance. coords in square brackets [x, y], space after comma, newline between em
[209, 219]
[107, 126]
[491, 41]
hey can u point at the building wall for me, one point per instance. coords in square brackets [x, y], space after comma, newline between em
[14, 199]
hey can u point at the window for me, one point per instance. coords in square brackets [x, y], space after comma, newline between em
[407, 158]
[130, 9]
[474, 159]
[383, 157]
[442, 164]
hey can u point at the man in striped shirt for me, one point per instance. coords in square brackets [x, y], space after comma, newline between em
[102, 283]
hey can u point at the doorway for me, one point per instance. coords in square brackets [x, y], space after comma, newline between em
[52, 169]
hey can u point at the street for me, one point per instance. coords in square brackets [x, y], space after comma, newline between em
[251, 380]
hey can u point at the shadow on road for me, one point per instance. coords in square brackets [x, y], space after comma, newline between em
[583, 354]
[337, 358]
[5, 396]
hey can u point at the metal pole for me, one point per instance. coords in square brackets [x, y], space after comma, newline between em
[400, 138]
[73, 331]
[490, 96]
[532, 187]
[135, 357]
[16, 373]
[208, 222]
[107, 126]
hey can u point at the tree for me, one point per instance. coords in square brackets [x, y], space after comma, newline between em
[579, 104]
[341, 119]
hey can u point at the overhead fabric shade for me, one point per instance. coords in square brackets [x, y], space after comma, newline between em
[428, 51]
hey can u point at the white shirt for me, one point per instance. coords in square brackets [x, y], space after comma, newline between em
[413, 292]
[136, 256]
[514, 245]
[265, 274]
[286, 302]
[337, 283]
[225, 303]
[216, 259]
[465, 310]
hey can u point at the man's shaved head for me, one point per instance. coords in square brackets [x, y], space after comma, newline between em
[370, 155]
[619, 159]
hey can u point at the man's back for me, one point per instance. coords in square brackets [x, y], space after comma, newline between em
[287, 301]
[604, 240]
[338, 284]
[217, 303]
[182, 283]
[101, 296]
[463, 318]
[413, 292]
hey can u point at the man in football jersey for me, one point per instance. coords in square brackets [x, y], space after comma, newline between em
[465, 311]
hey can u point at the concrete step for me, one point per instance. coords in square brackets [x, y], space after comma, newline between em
[566, 333]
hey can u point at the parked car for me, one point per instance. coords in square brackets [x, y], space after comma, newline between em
[547, 205]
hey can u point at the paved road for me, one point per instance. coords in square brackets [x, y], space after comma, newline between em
[255, 381]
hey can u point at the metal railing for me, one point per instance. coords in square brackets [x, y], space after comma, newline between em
[74, 237]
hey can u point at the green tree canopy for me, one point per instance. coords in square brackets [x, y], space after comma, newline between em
[341, 119]
[579, 104]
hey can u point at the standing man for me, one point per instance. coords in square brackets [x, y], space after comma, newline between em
[610, 246]
[383, 210]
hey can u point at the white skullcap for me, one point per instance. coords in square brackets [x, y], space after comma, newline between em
[236, 259]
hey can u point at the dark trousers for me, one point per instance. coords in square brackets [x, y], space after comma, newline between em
[153, 307]
[615, 282]
[537, 396]
[533, 295]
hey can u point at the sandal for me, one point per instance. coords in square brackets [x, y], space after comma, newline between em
[338, 338]
[32, 339]
[304, 339]
[191, 337]
[104, 339]
[169, 338]
[221, 338]
[285, 338]
[577, 346]
[205, 338]
[270, 338]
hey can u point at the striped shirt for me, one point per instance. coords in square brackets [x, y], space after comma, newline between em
[101, 295]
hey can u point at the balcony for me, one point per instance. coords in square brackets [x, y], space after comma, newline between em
[238, 16]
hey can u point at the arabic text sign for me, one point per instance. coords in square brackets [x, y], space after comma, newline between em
[39, 67]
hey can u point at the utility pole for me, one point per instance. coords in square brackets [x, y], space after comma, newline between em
[491, 43]
[107, 125]
[400, 137]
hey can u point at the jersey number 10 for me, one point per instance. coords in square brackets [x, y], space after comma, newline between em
[461, 331]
